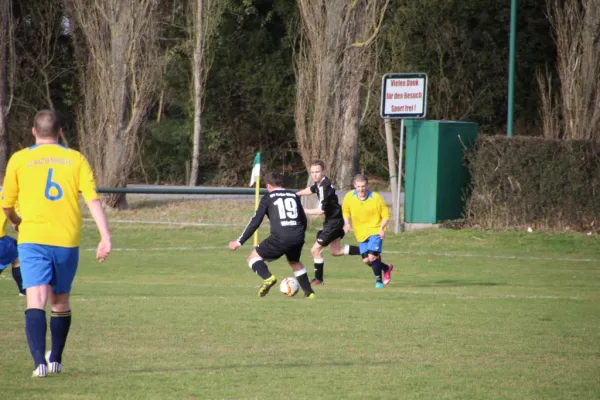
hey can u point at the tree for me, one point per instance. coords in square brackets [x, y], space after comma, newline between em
[6, 72]
[576, 26]
[118, 64]
[206, 21]
[335, 52]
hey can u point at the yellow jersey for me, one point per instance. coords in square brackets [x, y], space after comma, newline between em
[46, 180]
[366, 215]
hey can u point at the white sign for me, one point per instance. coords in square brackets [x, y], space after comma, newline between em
[404, 95]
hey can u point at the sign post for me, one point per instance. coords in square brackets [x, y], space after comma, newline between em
[403, 96]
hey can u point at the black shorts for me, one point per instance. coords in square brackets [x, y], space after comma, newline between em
[330, 232]
[271, 249]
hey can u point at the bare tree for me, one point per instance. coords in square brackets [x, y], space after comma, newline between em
[207, 17]
[6, 79]
[335, 51]
[120, 61]
[576, 25]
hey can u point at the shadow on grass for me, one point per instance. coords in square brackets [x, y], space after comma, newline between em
[142, 203]
[291, 365]
[459, 282]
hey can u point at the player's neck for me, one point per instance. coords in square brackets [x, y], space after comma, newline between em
[46, 141]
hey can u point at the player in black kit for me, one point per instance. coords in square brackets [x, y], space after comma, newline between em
[333, 227]
[288, 225]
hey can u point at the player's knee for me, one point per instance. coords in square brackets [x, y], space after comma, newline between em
[316, 252]
[60, 302]
[366, 260]
[252, 259]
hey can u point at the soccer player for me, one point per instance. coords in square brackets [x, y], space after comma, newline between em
[9, 254]
[288, 226]
[369, 216]
[46, 180]
[333, 227]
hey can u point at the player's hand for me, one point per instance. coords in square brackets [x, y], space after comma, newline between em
[104, 248]
[347, 228]
[234, 245]
[382, 233]
[15, 225]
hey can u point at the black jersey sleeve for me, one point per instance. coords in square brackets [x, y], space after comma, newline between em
[314, 188]
[256, 220]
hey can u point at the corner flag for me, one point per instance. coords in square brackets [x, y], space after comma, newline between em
[255, 169]
[255, 179]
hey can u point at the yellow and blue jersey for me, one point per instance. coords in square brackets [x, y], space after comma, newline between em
[366, 215]
[46, 180]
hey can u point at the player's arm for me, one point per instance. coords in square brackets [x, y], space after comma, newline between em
[10, 192]
[105, 245]
[346, 213]
[87, 187]
[254, 223]
[384, 212]
[313, 211]
[13, 217]
[304, 192]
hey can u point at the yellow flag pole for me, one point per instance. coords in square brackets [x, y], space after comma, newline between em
[256, 195]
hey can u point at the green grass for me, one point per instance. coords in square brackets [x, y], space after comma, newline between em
[461, 320]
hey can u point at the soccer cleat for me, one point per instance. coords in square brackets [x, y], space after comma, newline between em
[316, 282]
[379, 285]
[53, 367]
[21, 294]
[41, 371]
[311, 296]
[267, 285]
[387, 276]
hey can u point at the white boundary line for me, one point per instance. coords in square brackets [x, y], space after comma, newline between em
[125, 221]
[410, 253]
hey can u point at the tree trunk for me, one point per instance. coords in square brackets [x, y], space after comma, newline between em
[5, 38]
[119, 65]
[330, 66]
[198, 92]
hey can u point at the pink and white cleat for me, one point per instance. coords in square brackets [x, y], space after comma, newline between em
[387, 276]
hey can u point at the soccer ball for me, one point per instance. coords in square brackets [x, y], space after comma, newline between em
[289, 287]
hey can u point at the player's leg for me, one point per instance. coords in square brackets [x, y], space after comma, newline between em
[319, 262]
[381, 270]
[37, 272]
[268, 249]
[16, 274]
[66, 262]
[293, 253]
[335, 243]
[9, 256]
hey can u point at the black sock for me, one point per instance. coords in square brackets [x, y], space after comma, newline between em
[35, 330]
[376, 265]
[16, 274]
[384, 267]
[353, 250]
[261, 269]
[302, 278]
[60, 322]
[319, 266]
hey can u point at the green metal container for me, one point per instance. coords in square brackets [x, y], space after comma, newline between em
[436, 178]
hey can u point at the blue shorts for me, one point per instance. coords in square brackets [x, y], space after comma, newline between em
[48, 265]
[8, 251]
[373, 244]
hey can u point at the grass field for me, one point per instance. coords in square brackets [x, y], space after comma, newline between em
[174, 314]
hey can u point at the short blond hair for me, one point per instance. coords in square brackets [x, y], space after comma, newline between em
[46, 124]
